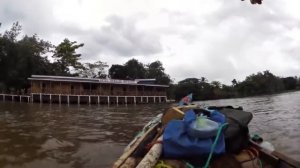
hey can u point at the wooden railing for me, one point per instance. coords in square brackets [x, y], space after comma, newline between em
[98, 92]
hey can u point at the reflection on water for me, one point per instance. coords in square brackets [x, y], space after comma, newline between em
[35, 135]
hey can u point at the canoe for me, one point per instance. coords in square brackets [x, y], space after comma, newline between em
[151, 138]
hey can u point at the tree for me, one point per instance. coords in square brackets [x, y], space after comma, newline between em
[157, 71]
[66, 56]
[117, 72]
[289, 83]
[13, 33]
[134, 69]
[189, 81]
[21, 58]
[216, 84]
[260, 83]
[94, 70]
[234, 82]
[203, 79]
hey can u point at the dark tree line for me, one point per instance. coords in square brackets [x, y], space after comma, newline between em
[133, 69]
[255, 84]
[20, 57]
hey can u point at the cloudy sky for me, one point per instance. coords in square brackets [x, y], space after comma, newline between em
[217, 39]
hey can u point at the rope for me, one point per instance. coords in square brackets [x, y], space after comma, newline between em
[188, 165]
[161, 164]
[214, 145]
[260, 163]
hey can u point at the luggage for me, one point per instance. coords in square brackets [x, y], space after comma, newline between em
[237, 132]
[178, 144]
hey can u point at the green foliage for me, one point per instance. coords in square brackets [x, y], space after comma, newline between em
[157, 71]
[21, 58]
[255, 84]
[93, 70]
[117, 72]
[260, 83]
[133, 69]
[66, 56]
[13, 33]
[290, 83]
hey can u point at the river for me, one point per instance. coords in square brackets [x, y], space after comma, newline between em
[65, 136]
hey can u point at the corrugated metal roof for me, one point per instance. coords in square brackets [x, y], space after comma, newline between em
[90, 80]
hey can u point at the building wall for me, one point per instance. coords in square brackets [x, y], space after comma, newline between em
[35, 87]
[104, 89]
[72, 88]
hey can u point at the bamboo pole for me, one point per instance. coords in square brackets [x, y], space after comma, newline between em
[152, 156]
[130, 162]
[126, 154]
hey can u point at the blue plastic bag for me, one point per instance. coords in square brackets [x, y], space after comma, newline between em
[178, 144]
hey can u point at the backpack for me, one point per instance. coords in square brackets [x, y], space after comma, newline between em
[237, 132]
[178, 144]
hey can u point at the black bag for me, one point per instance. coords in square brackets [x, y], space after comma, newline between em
[237, 132]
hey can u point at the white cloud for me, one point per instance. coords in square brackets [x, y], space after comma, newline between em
[217, 39]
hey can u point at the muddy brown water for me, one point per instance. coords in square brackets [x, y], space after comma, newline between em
[65, 136]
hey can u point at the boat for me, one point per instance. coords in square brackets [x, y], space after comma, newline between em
[146, 149]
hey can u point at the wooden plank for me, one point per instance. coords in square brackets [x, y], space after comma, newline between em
[171, 114]
[130, 162]
[276, 158]
[286, 159]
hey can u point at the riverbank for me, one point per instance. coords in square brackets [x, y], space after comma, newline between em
[258, 95]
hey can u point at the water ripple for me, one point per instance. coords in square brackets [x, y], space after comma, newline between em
[62, 136]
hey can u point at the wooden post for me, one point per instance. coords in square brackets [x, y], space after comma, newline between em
[59, 98]
[125, 99]
[107, 99]
[41, 98]
[78, 99]
[134, 100]
[98, 100]
[68, 99]
[90, 90]
[50, 98]
[28, 99]
[79, 88]
[41, 86]
[147, 99]
[89, 99]
[99, 89]
[159, 99]
[154, 99]
[141, 99]
[31, 97]
[143, 91]
[31, 86]
[117, 100]
[136, 90]
[110, 91]
[20, 98]
[3, 97]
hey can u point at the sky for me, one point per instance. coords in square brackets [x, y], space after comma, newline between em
[218, 39]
